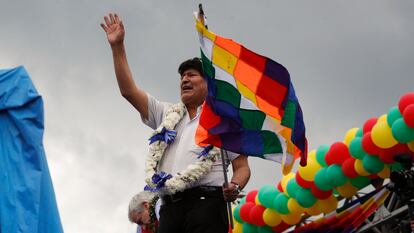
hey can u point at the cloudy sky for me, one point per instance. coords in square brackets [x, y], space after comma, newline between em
[349, 61]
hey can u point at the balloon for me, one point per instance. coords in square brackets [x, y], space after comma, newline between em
[360, 182]
[405, 100]
[266, 195]
[393, 115]
[350, 134]
[264, 229]
[251, 196]
[243, 200]
[245, 211]
[256, 215]
[368, 145]
[385, 173]
[308, 172]
[348, 168]
[411, 146]
[257, 201]
[337, 154]
[359, 133]
[236, 213]
[249, 228]
[292, 188]
[285, 180]
[327, 205]
[271, 217]
[396, 167]
[372, 164]
[335, 175]
[322, 181]
[294, 207]
[291, 219]
[279, 187]
[320, 154]
[238, 228]
[386, 157]
[313, 210]
[359, 168]
[302, 182]
[355, 148]
[381, 135]
[280, 203]
[402, 132]
[305, 198]
[382, 118]
[347, 190]
[281, 227]
[368, 125]
[312, 155]
[320, 194]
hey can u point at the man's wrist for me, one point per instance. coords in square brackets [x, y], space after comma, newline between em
[238, 187]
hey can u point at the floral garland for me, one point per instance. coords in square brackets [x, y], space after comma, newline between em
[161, 138]
[152, 214]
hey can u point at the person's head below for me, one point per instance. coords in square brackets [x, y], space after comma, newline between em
[138, 209]
[193, 86]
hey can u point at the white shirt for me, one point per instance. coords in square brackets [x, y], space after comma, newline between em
[183, 151]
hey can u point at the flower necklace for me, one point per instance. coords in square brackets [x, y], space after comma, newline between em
[152, 214]
[165, 183]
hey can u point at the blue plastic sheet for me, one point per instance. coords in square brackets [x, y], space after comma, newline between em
[27, 199]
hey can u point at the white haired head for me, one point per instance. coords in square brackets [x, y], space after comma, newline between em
[136, 204]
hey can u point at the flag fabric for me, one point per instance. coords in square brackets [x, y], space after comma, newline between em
[251, 107]
[27, 199]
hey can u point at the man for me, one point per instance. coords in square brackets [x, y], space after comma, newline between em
[139, 210]
[200, 207]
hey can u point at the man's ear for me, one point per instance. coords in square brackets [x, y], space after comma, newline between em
[145, 205]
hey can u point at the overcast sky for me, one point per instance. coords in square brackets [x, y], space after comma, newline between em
[349, 61]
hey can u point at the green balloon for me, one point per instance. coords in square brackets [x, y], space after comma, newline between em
[359, 133]
[320, 154]
[393, 115]
[264, 229]
[321, 180]
[292, 187]
[336, 176]
[372, 164]
[280, 203]
[305, 198]
[243, 200]
[249, 228]
[402, 132]
[236, 213]
[267, 194]
[396, 167]
[355, 148]
[360, 182]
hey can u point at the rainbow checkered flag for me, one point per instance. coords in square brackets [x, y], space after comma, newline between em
[251, 107]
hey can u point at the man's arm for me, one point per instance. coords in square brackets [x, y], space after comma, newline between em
[115, 33]
[241, 175]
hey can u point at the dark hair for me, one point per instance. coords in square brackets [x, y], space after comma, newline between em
[194, 63]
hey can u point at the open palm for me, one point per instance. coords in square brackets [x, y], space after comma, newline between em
[114, 29]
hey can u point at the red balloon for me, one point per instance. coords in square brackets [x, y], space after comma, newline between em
[251, 196]
[302, 182]
[408, 115]
[320, 194]
[337, 154]
[245, 211]
[387, 155]
[406, 100]
[373, 176]
[281, 227]
[368, 125]
[348, 168]
[279, 187]
[256, 215]
[368, 145]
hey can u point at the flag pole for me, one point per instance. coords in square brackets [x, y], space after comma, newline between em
[224, 156]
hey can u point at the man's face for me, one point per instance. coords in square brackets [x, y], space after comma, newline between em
[193, 87]
[142, 218]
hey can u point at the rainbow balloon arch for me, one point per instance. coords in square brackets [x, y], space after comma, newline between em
[332, 172]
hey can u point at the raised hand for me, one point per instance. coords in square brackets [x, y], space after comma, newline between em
[114, 29]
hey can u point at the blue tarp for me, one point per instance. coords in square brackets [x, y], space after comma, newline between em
[27, 199]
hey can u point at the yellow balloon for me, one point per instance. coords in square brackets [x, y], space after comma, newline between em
[382, 118]
[411, 146]
[347, 190]
[359, 168]
[271, 217]
[309, 171]
[285, 180]
[327, 205]
[291, 219]
[350, 134]
[294, 207]
[238, 227]
[381, 135]
[256, 200]
[312, 155]
[385, 173]
[313, 210]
